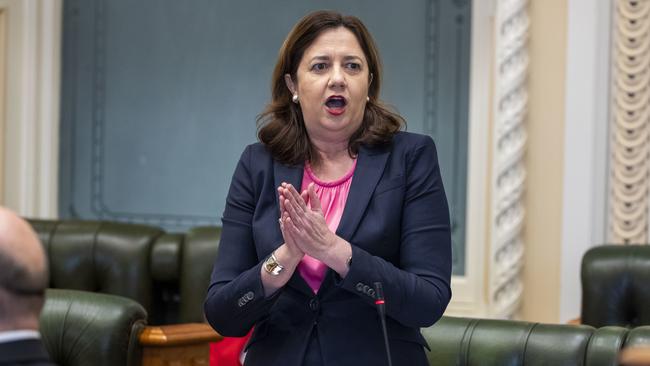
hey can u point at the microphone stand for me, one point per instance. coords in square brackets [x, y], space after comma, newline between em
[381, 309]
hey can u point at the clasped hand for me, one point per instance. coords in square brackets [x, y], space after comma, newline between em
[302, 222]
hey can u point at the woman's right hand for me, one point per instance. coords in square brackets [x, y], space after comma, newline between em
[289, 240]
[287, 254]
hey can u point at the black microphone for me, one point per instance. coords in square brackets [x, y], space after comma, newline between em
[381, 309]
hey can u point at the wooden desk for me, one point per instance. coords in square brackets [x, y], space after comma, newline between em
[177, 345]
[635, 356]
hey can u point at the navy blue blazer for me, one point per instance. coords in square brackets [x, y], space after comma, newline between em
[397, 219]
[24, 352]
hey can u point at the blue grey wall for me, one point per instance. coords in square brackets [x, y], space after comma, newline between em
[160, 97]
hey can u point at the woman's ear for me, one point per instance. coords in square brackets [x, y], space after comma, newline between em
[289, 82]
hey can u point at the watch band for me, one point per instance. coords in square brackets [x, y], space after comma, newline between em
[272, 266]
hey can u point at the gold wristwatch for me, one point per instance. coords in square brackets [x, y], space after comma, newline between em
[272, 266]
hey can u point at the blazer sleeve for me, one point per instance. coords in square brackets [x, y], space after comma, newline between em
[416, 293]
[235, 300]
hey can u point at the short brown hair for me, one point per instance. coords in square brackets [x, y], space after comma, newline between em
[281, 127]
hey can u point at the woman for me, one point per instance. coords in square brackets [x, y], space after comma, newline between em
[333, 199]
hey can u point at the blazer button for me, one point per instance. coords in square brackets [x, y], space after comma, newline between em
[314, 304]
[371, 293]
[360, 287]
[366, 288]
[249, 295]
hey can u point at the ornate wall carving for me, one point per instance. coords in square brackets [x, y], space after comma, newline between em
[629, 183]
[508, 149]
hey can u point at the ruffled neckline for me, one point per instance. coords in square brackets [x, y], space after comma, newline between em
[334, 183]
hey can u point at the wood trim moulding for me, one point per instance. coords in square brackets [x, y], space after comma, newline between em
[629, 195]
[586, 142]
[508, 173]
[30, 182]
[493, 284]
[3, 96]
[178, 334]
[177, 344]
[468, 290]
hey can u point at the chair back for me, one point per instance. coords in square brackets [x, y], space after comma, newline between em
[615, 287]
[487, 342]
[82, 328]
[167, 273]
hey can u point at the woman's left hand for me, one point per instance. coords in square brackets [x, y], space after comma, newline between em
[306, 223]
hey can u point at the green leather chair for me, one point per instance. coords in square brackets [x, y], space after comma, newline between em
[615, 287]
[487, 342]
[181, 265]
[82, 328]
[638, 337]
[167, 274]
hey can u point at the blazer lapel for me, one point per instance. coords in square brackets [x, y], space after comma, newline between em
[370, 167]
[287, 174]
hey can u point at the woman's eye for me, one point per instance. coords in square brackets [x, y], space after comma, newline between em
[319, 67]
[353, 66]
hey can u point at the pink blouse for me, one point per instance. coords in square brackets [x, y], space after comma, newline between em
[333, 196]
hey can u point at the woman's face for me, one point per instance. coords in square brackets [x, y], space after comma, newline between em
[332, 85]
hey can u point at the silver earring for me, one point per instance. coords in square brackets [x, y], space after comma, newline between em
[295, 98]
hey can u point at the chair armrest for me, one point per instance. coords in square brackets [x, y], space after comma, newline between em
[82, 328]
[635, 356]
[178, 335]
[576, 321]
[187, 344]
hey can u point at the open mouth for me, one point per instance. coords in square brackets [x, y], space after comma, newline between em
[335, 102]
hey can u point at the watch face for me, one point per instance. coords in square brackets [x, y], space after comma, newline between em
[272, 266]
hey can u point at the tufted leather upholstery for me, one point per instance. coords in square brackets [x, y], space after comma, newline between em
[615, 287]
[167, 274]
[197, 259]
[83, 328]
[486, 342]
[181, 265]
[639, 336]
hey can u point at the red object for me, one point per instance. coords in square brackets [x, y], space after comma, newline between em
[379, 302]
[227, 351]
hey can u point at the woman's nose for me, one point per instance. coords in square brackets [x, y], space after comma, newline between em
[337, 78]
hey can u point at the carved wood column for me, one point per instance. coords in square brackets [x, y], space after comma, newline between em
[510, 99]
[629, 183]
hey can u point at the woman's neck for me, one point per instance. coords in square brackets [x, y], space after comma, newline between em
[334, 160]
[329, 149]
